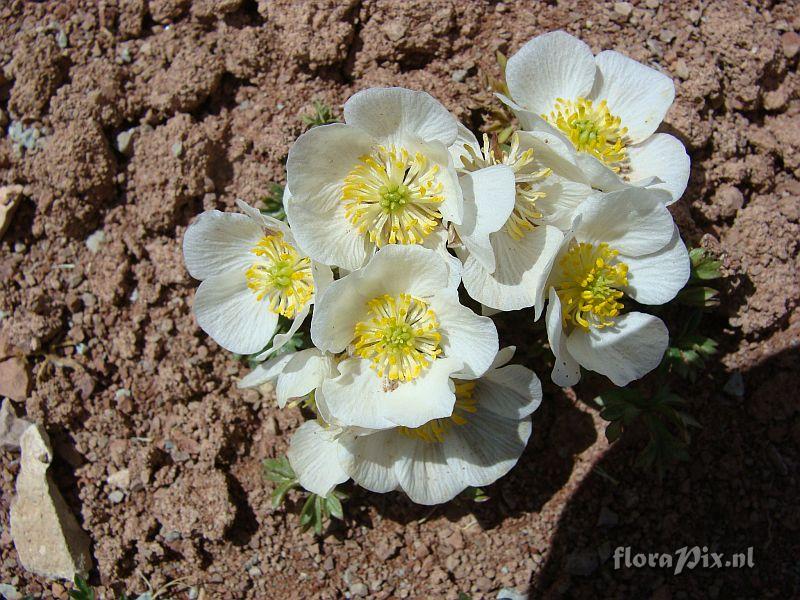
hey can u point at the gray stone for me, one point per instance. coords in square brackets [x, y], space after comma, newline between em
[48, 539]
[607, 517]
[735, 385]
[359, 590]
[459, 75]
[116, 497]
[95, 240]
[11, 426]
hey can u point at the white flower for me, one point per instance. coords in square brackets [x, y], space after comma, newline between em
[403, 333]
[295, 374]
[385, 176]
[622, 244]
[252, 273]
[510, 273]
[314, 456]
[479, 443]
[600, 112]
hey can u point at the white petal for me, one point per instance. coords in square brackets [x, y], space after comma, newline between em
[562, 200]
[637, 94]
[452, 205]
[486, 447]
[393, 270]
[280, 339]
[464, 139]
[389, 113]
[227, 310]
[304, 373]
[513, 391]
[437, 241]
[663, 156]
[630, 349]
[266, 371]
[553, 150]
[489, 196]
[634, 221]
[521, 272]
[566, 371]
[328, 236]
[313, 454]
[503, 356]
[370, 459]
[218, 242]
[425, 475]
[358, 397]
[466, 337]
[657, 278]
[320, 159]
[550, 66]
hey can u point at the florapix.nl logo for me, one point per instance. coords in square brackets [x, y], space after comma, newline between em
[685, 558]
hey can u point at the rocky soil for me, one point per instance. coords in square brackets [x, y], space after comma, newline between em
[123, 119]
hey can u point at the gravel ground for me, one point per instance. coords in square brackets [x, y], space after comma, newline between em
[123, 119]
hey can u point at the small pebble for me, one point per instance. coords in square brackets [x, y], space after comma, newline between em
[623, 9]
[459, 75]
[116, 497]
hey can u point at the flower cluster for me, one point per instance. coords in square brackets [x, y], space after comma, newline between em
[390, 212]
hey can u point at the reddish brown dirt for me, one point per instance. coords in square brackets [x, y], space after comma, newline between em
[204, 98]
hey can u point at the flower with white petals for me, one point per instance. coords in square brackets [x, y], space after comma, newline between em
[512, 273]
[477, 444]
[402, 334]
[622, 244]
[599, 112]
[295, 374]
[383, 177]
[252, 273]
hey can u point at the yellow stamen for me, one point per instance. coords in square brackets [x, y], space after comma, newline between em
[393, 197]
[400, 337]
[593, 129]
[525, 214]
[589, 285]
[436, 430]
[280, 275]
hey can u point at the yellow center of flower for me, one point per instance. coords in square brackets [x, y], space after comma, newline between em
[589, 285]
[281, 275]
[393, 197]
[591, 128]
[400, 336]
[436, 430]
[526, 175]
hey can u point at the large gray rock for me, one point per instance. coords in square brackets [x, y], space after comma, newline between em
[47, 537]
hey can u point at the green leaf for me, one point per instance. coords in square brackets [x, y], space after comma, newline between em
[334, 506]
[307, 512]
[273, 203]
[704, 266]
[613, 431]
[279, 494]
[701, 296]
[82, 590]
[319, 516]
[278, 470]
[322, 115]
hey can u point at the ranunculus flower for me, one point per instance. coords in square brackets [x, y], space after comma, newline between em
[599, 112]
[511, 273]
[622, 244]
[474, 446]
[382, 177]
[403, 333]
[252, 273]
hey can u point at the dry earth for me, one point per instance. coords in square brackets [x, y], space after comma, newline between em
[123, 119]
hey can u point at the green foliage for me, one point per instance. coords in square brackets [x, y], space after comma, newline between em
[475, 494]
[317, 510]
[322, 115]
[687, 356]
[280, 471]
[273, 203]
[661, 414]
[82, 590]
[705, 268]
[294, 344]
